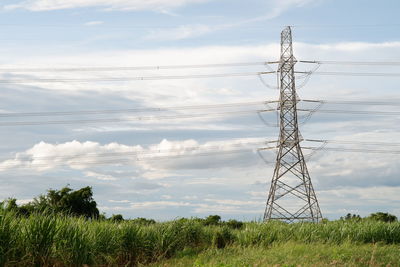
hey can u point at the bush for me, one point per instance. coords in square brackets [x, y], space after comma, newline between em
[143, 221]
[234, 224]
[212, 220]
[383, 217]
[222, 237]
[117, 218]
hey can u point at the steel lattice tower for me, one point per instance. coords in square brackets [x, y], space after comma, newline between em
[291, 196]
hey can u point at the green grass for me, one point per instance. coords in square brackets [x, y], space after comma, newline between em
[54, 240]
[289, 254]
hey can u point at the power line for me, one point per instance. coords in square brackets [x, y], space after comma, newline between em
[193, 107]
[150, 152]
[337, 73]
[355, 149]
[135, 110]
[355, 102]
[86, 26]
[346, 25]
[120, 161]
[356, 112]
[143, 78]
[165, 117]
[141, 118]
[353, 142]
[105, 25]
[129, 68]
[366, 63]
[358, 150]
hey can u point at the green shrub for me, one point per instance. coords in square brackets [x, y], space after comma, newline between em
[383, 217]
[222, 237]
[234, 224]
[117, 218]
[212, 220]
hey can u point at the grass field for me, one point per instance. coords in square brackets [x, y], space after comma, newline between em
[290, 254]
[50, 240]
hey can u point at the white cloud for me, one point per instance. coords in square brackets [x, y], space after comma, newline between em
[363, 201]
[258, 194]
[119, 201]
[76, 155]
[82, 156]
[100, 176]
[234, 202]
[24, 201]
[182, 32]
[356, 46]
[160, 204]
[219, 206]
[94, 23]
[45, 5]
[280, 6]
[226, 209]
[190, 197]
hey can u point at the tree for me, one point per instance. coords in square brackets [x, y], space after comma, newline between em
[116, 218]
[212, 220]
[76, 203]
[10, 204]
[65, 200]
[234, 224]
[351, 217]
[383, 217]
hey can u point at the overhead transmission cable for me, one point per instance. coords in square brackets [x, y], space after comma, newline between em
[149, 152]
[138, 118]
[355, 102]
[355, 112]
[192, 107]
[120, 161]
[337, 73]
[366, 63]
[353, 149]
[359, 150]
[129, 68]
[165, 117]
[138, 78]
[133, 110]
[105, 25]
[349, 142]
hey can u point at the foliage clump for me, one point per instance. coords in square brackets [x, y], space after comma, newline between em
[64, 201]
[383, 217]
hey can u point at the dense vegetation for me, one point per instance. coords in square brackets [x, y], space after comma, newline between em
[61, 240]
[64, 201]
[71, 236]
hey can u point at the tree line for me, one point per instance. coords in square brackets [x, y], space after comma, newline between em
[80, 203]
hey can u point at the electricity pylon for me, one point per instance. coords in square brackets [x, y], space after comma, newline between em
[291, 196]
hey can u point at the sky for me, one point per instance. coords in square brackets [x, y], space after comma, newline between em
[150, 148]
